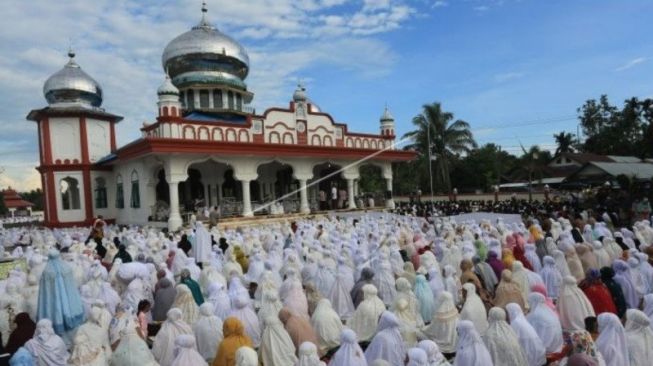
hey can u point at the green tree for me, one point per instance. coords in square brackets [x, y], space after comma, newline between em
[3, 208]
[448, 139]
[565, 141]
[371, 179]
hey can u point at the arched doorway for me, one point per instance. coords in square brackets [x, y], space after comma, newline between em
[275, 191]
[330, 186]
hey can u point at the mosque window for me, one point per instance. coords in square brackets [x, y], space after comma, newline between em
[230, 100]
[182, 98]
[239, 102]
[204, 99]
[100, 193]
[135, 197]
[120, 193]
[190, 99]
[217, 99]
[69, 193]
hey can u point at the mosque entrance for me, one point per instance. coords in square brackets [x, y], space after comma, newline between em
[371, 186]
[329, 176]
[275, 181]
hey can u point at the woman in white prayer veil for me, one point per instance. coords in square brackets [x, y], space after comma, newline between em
[474, 309]
[186, 352]
[545, 322]
[308, 355]
[452, 283]
[470, 349]
[208, 332]
[366, 316]
[134, 294]
[520, 277]
[277, 349]
[434, 356]
[245, 313]
[270, 306]
[185, 302]
[648, 307]
[384, 280]
[218, 296]
[561, 262]
[417, 357]
[164, 342]
[349, 353]
[501, 341]
[387, 344]
[47, 348]
[435, 281]
[612, 340]
[324, 278]
[405, 292]
[94, 333]
[132, 351]
[528, 339]
[201, 251]
[442, 329]
[340, 297]
[86, 352]
[408, 322]
[552, 277]
[292, 294]
[639, 337]
[573, 306]
[327, 326]
[246, 356]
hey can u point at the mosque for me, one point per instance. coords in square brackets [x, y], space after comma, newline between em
[207, 145]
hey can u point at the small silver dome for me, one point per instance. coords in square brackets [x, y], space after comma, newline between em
[386, 116]
[72, 86]
[167, 88]
[205, 55]
[300, 93]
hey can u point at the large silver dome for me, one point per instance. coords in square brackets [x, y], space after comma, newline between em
[72, 86]
[204, 55]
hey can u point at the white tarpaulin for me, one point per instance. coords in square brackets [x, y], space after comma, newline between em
[489, 216]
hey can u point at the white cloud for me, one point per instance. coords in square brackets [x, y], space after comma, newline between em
[439, 4]
[501, 78]
[119, 43]
[632, 63]
[481, 8]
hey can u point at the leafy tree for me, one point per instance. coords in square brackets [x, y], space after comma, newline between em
[3, 208]
[36, 197]
[565, 141]
[371, 179]
[448, 138]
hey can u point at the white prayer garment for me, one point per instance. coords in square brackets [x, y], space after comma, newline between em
[208, 332]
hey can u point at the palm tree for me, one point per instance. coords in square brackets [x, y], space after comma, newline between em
[565, 141]
[448, 138]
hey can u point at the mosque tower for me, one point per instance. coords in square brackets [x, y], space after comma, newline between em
[169, 104]
[74, 133]
[387, 124]
[209, 68]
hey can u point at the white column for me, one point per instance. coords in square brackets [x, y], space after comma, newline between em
[303, 197]
[247, 202]
[207, 191]
[220, 182]
[390, 202]
[350, 194]
[174, 220]
[211, 98]
[261, 191]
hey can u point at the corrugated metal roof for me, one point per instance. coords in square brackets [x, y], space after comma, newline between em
[639, 170]
[625, 159]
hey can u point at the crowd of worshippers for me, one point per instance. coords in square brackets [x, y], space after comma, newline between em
[374, 289]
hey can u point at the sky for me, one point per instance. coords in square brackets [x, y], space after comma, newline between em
[515, 70]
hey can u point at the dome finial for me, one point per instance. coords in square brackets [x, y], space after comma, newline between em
[204, 8]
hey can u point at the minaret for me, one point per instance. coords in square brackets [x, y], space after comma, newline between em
[387, 124]
[299, 99]
[74, 134]
[169, 104]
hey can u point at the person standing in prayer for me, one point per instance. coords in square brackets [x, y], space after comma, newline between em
[323, 200]
[202, 248]
[334, 197]
[597, 293]
[185, 244]
[214, 216]
[47, 348]
[164, 342]
[501, 340]
[123, 255]
[299, 329]
[59, 297]
[193, 286]
[234, 338]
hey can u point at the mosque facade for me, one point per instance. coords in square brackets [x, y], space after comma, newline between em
[207, 147]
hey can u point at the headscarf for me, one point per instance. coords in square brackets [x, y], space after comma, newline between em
[234, 338]
[193, 286]
[508, 291]
[208, 332]
[624, 279]
[648, 306]
[308, 355]
[366, 316]
[481, 249]
[277, 349]
[470, 349]
[486, 274]
[46, 347]
[184, 301]
[366, 278]
[433, 354]
[545, 322]
[186, 352]
[246, 356]
[520, 255]
[299, 328]
[507, 258]
[573, 306]
[22, 357]
[468, 275]
[442, 329]
[424, 295]
[349, 353]
[496, 263]
[541, 289]
[474, 309]
[217, 295]
[59, 298]
[639, 337]
[501, 340]
[243, 310]
[327, 326]
[612, 340]
[597, 293]
[24, 331]
[551, 276]
[528, 339]
[581, 342]
[387, 344]
[164, 342]
[607, 277]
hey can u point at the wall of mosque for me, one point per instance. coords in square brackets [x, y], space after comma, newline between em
[65, 140]
[99, 139]
[69, 195]
[136, 205]
[103, 187]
